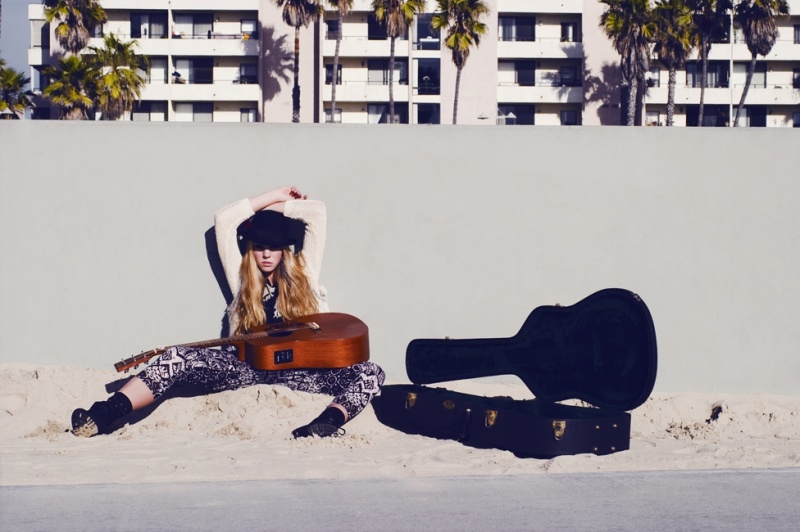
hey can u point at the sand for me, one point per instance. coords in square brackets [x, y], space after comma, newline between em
[245, 435]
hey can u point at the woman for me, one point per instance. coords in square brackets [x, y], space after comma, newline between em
[271, 250]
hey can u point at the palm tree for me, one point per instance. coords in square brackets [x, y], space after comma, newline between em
[120, 84]
[461, 20]
[757, 20]
[73, 86]
[397, 16]
[629, 25]
[13, 96]
[343, 8]
[298, 14]
[673, 43]
[77, 20]
[712, 24]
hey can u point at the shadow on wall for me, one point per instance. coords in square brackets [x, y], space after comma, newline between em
[276, 62]
[215, 263]
[604, 89]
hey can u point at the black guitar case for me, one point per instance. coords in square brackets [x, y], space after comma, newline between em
[601, 351]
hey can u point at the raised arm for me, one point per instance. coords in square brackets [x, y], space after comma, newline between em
[228, 218]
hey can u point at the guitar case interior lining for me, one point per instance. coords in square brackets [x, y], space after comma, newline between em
[601, 351]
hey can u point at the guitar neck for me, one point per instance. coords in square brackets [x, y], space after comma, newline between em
[134, 361]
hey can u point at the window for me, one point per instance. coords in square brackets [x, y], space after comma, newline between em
[428, 76]
[158, 71]
[378, 73]
[329, 74]
[517, 28]
[337, 116]
[247, 114]
[717, 74]
[40, 34]
[203, 112]
[376, 31]
[149, 112]
[654, 77]
[378, 113]
[331, 29]
[569, 76]
[753, 116]
[248, 73]
[428, 113]
[249, 28]
[525, 73]
[196, 70]
[569, 32]
[149, 25]
[796, 119]
[193, 25]
[797, 33]
[653, 118]
[796, 78]
[519, 114]
[569, 117]
[427, 37]
[759, 80]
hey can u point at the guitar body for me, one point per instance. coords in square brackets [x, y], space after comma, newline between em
[601, 350]
[337, 341]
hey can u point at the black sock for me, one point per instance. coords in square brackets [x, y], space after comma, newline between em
[326, 424]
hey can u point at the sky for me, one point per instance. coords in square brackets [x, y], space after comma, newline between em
[15, 34]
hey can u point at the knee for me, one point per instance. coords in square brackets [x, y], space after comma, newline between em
[374, 370]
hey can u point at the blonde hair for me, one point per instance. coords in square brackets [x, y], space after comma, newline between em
[295, 297]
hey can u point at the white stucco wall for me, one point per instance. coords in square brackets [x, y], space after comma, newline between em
[433, 231]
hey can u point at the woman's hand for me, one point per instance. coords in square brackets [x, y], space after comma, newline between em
[274, 199]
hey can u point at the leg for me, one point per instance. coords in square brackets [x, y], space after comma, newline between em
[353, 388]
[211, 369]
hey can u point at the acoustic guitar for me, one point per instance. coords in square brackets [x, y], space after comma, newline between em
[328, 340]
[601, 350]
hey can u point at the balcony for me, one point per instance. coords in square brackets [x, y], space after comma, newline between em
[38, 56]
[220, 90]
[362, 91]
[363, 47]
[549, 48]
[777, 94]
[183, 5]
[525, 6]
[545, 91]
[237, 45]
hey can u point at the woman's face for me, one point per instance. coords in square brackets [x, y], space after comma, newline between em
[267, 258]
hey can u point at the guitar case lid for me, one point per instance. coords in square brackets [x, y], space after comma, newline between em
[601, 350]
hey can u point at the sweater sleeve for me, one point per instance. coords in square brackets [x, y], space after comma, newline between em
[226, 221]
[313, 213]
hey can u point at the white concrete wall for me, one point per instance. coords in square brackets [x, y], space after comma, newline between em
[433, 231]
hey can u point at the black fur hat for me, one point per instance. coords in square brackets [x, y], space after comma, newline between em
[272, 228]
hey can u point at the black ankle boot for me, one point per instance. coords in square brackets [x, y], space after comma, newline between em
[100, 416]
[329, 423]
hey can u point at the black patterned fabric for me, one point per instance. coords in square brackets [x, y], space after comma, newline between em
[215, 370]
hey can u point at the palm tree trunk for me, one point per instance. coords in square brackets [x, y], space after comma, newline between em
[631, 103]
[455, 98]
[296, 88]
[335, 77]
[641, 89]
[671, 97]
[704, 49]
[750, 69]
[391, 81]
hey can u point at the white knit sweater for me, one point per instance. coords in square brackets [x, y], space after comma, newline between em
[228, 218]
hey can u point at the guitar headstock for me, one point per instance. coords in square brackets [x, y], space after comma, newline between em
[125, 365]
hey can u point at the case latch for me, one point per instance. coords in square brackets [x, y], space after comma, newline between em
[491, 417]
[411, 399]
[559, 427]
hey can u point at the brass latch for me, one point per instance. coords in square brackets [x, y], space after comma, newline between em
[559, 427]
[491, 417]
[411, 398]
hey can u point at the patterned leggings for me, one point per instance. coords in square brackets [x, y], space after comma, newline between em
[216, 370]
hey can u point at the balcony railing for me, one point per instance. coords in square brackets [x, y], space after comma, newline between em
[545, 81]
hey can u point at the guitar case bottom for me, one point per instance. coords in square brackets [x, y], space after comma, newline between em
[528, 428]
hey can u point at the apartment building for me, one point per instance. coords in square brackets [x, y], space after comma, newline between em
[542, 62]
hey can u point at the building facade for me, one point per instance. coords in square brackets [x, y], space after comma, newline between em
[540, 63]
